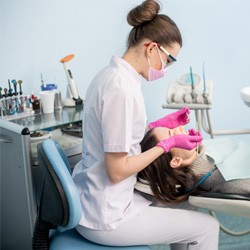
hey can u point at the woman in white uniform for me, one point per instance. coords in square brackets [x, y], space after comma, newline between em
[114, 123]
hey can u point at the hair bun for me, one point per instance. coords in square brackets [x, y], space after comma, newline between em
[144, 12]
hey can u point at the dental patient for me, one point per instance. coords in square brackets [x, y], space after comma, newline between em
[217, 165]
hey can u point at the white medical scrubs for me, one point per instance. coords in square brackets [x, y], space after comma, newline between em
[114, 214]
[114, 121]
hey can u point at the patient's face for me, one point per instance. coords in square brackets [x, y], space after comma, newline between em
[188, 156]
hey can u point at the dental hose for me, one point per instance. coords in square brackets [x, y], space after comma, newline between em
[40, 240]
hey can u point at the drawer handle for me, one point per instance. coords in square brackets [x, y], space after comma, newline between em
[4, 139]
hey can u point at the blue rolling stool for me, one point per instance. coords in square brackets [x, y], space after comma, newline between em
[59, 207]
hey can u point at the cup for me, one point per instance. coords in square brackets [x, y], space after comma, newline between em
[58, 100]
[47, 101]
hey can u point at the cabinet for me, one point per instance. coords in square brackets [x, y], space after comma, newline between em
[17, 189]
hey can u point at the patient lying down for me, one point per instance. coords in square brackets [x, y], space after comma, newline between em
[218, 165]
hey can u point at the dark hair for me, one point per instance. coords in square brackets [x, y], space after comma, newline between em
[167, 184]
[147, 23]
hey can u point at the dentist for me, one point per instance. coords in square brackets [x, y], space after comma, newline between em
[114, 124]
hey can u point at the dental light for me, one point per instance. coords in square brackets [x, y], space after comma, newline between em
[245, 95]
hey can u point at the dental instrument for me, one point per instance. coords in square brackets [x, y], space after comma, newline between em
[193, 92]
[204, 78]
[42, 81]
[5, 92]
[197, 133]
[179, 90]
[15, 86]
[10, 89]
[20, 86]
[72, 99]
[205, 95]
[191, 78]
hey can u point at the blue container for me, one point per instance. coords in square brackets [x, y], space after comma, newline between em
[49, 86]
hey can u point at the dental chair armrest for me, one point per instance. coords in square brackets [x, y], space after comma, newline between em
[233, 204]
[229, 196]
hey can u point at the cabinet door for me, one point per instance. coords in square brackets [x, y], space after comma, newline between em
[18, 208]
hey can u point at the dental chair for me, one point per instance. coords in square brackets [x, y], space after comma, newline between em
[59, 207]
[232, 204]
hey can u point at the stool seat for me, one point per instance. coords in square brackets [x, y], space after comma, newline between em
[72, 240]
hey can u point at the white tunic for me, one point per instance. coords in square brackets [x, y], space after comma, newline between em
[114, 121]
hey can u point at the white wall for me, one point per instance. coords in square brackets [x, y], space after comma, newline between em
[36, 34]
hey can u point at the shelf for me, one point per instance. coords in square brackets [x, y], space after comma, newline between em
[50, 121]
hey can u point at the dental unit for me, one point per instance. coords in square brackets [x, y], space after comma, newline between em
[196, 93]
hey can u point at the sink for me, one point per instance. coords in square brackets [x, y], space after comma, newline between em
[245, 95]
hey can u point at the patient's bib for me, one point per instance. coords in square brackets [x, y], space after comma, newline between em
[231, 156]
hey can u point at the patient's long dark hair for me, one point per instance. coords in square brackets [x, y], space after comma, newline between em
[168, 184]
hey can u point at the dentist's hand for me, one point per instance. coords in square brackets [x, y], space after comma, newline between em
[194, 132]
[178, 118]
[180, 141]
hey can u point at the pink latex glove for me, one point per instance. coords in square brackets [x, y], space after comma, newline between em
[194, 132]
[181, 141]
[178, 118]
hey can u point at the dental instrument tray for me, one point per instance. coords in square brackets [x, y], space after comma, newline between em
[190, 89]
[39, 135]
[73, 129]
